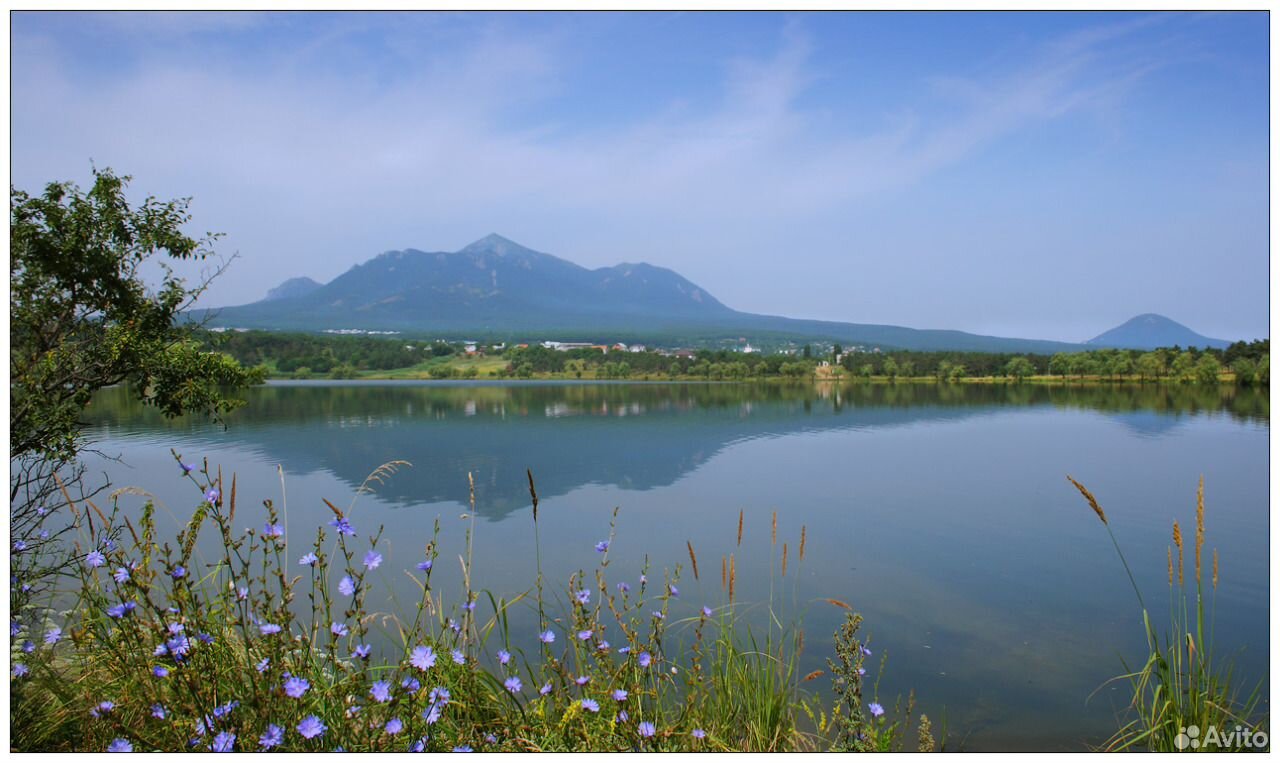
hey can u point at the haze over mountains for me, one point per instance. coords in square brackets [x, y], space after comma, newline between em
[496, 288]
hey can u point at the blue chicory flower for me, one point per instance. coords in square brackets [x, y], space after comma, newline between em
[311, 727]
[372, 559]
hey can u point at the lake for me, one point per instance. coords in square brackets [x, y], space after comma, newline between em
[942, 513]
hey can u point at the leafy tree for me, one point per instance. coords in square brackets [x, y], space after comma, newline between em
[1019, 368]
[1183, 366]
[1149, 366]
[1207, 369]
[866, 370]
[82, 317]
[524, 371]
[1060, 364]
[907, 368]
[890, 367]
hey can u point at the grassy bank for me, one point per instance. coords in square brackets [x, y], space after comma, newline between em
[140, 644]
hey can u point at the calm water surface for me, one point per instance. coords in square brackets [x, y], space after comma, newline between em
[942, 514]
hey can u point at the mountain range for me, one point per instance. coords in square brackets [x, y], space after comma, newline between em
[495, 288]
[1149, 331]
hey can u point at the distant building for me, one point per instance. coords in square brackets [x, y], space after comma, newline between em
[636, 348]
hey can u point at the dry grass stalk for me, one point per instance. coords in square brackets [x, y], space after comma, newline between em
[784, 559]
[533, 493]
[733, 577]
[1093, 502]
[1199, 525]
[334, 509]
[813, 675]
[1215, 569]
[773, 534]
[1177, 541]
[693, 559]
[740, 511]
[724, 573]
[802, 537]
[1170, 550]
[231, 515]
[838, 603]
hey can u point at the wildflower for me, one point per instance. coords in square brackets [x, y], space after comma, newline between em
[866, 651]
[263, 665]
[102, 709]
[308, 559]
[120, 610]
[431, 714]
[623, 716]
[120, 745]
[346, 586]
[343, 526]
[178, 572]
[121, 575]
[242, 593]
[419, 745]
[876, 709]
[14, 628]
[582, 680]
[439, 695]
[44, 535]
[454, 626]
[41, 511]
[658, 615]
[623, 588]
[412, 684]
[583, 597]
[602, 546]
[424, 566]
[423, 658]
[362, 651]
[513, 685]
[458, 657]
[698, 734]
[645, 659]
[186, 468]
[646, 729]
[339, 629]
[177, 647]
[545, 690]
[469, 606]
[380, 691]
[311, 727]
[158, 711]
[463, 748]
[862, 671]
[19, 546]
[205, 638]
[706, 611]
[273, 736]
[224, 742]
[272, 531]
[675, 592]
[212, 495]
[160, 671]
[95, 559]
[547, 637]
[504, 656]
[394, 726]
[269, 629]
[226, 709]
[491, 738]
[372, 560]
[620, 695]
[584, 635]
[624, 650]
[603, 646]
[295, 687]
[643, 579]
[28, 647]
[591, 705]
[20, 670]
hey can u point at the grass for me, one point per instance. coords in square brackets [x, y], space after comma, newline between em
[1183, 696]
[140, 644]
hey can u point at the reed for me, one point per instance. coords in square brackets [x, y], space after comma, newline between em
[1181, 683]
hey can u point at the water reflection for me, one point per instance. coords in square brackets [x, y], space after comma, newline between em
[637, 436]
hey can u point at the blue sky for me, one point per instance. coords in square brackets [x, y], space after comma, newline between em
[1043, 175]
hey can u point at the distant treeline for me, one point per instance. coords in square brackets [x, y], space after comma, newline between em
[323, 354]
[346, 356]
